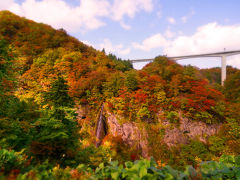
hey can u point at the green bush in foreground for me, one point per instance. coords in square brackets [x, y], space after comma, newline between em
[228, 167]
[14, 166]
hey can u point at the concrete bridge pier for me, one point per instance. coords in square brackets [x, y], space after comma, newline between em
[224, 71]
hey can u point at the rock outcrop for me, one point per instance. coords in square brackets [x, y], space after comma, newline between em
[182, 133]
[129, 132]
[188, 130]
[174, 134]
[82, 111]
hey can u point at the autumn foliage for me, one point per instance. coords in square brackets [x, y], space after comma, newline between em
[46, 75]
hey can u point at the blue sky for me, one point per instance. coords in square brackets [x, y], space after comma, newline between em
[136, 29]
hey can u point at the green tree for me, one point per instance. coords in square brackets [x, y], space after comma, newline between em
[6, 71]
[113, 85]
[56, 132]
[193, 151]
[58, 94]
[122, 65]
[216, 145]
[232, 87]
[15, 115]
[131, 80]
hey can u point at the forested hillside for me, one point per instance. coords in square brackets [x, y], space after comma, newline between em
[69, 111]
[214, 74]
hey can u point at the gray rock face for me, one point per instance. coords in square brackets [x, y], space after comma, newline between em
[129, 132]
[82, 111]
[188, 130]
[174, 135]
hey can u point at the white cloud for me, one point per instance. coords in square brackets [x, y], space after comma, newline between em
[159, 14]
[9, 5]
[5, 4]
[169, 34]
[129, 8]
[186, 17]
[180, 33]
[171, 20]
[88, 15]
[125, 26]
[115, 49]
[234, 61]
[125, 51]
[59, 14]
[154, 41]
[107, 45]
[211, 37]
[87, 43]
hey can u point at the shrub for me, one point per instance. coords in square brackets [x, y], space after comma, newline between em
[216, 145]
[193, 153]
[10, 160]
[173, 116]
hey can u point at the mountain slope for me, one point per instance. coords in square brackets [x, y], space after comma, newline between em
[44, 53]
[162, 100]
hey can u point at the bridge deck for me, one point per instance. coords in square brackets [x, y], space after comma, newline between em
[217, 54]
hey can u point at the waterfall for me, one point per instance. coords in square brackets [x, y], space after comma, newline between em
[101, 129]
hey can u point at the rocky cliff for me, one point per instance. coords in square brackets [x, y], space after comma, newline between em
[174, 134]
[187, 130]
[130, 133]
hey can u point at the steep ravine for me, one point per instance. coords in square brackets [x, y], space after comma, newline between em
[132, 135]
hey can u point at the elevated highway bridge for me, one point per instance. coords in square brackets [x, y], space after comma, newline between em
[222, 55]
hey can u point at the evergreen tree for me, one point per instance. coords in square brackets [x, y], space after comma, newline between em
[57, 131]
[5, 77]
[13, 112]
[58, 94]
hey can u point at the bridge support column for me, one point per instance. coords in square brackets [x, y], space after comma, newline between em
[224, 71]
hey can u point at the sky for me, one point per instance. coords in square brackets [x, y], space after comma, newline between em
[137, 29]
